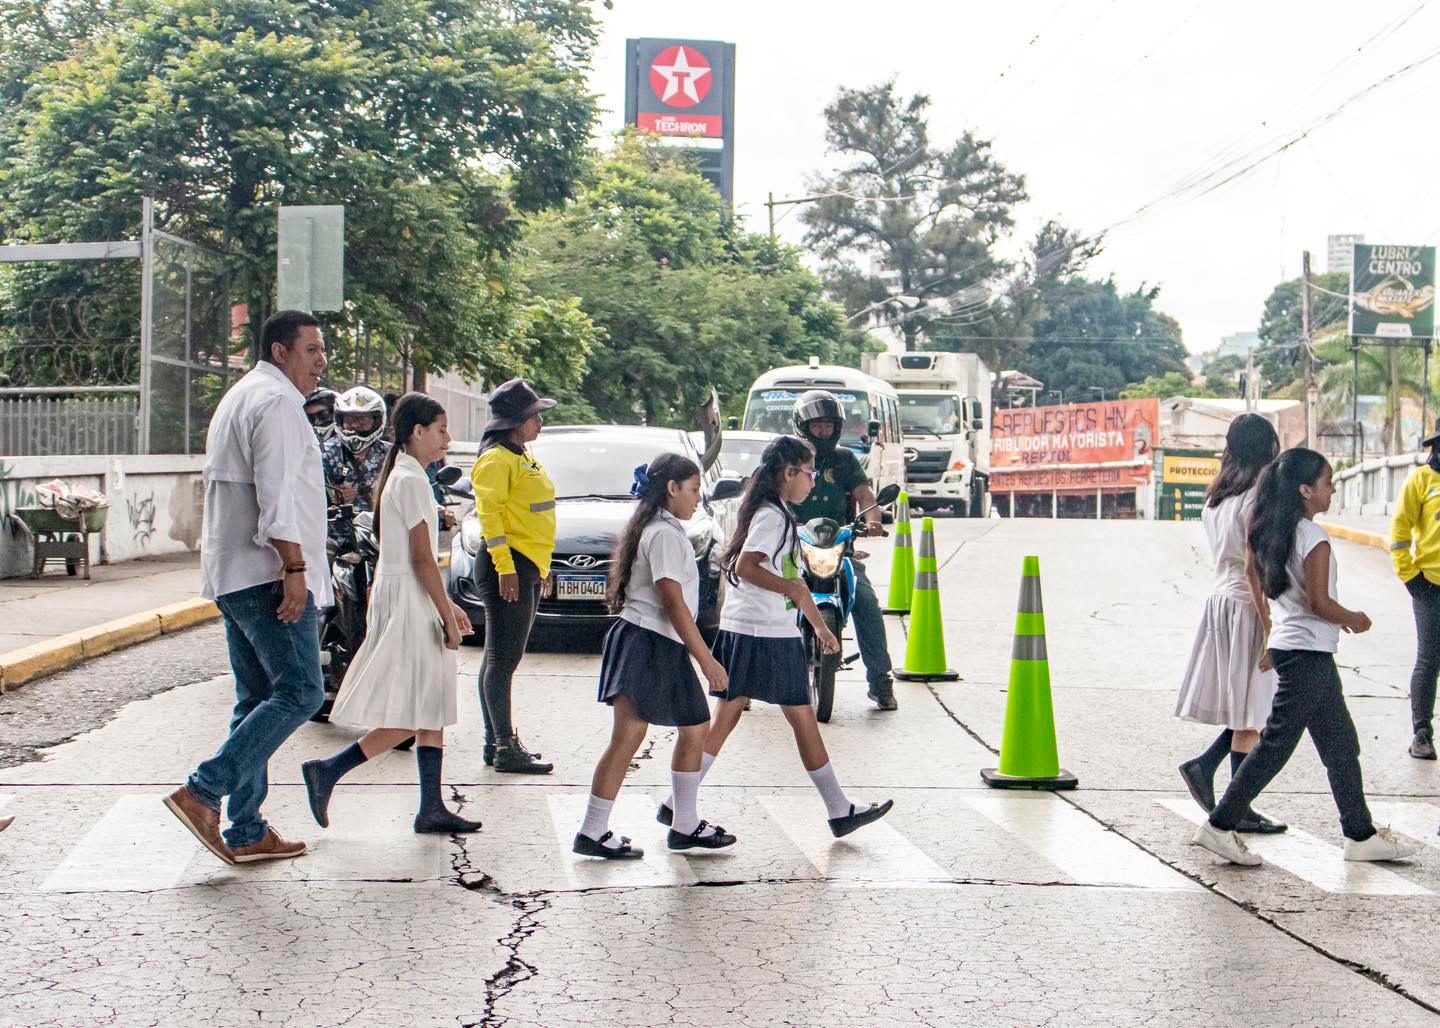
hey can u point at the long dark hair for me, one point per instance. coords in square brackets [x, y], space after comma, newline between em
[1250, 444]
[412, 411]
[664, 469]
[786, 451]
[1278, 509]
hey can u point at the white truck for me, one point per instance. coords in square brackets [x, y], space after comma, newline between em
[945, 414]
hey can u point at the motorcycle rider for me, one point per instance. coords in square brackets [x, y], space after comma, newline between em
[320, 410]
[818, 418]
[354, 455]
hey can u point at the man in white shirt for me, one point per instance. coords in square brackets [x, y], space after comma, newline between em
[263, 562]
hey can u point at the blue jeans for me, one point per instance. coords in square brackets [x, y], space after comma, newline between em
[278, 685]
[869, 627]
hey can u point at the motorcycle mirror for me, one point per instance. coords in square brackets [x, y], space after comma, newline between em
[727, 489]
[888, 495]
[449, 475]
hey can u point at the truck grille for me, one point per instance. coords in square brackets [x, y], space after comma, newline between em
[928, 468]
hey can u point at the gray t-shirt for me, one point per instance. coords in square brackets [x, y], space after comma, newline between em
[1296, 626]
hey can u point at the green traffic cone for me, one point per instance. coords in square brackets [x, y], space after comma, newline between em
[1029, 758]
[925, 649]
[902, 568]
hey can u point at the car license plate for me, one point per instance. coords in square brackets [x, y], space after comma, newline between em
[580, 587]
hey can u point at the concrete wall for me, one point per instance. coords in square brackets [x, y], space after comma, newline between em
[1373, 486]
[156, 504]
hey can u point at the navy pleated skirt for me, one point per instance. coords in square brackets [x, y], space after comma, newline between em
[655, 673]
[761, 668]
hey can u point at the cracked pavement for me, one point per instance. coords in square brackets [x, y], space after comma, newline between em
[965, 906]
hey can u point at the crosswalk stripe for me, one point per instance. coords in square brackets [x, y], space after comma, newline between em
[633, 815]
[1315, 860]
[137, 845]
[1416, 820]
[5, 799]
[371, 836]
[1081, 847]
[876, 855]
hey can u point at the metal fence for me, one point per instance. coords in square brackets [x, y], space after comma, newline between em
[46, 426]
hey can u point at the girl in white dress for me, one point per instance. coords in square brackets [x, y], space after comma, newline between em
[1229, 681]
[403, 677]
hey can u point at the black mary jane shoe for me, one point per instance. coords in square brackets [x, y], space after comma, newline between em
[1201, 789]
[665, 815]
[588, 847]
[1259, 824]
[718, 840]
[842, 826]
[513, 758]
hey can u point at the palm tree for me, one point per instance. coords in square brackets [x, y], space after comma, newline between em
[1382, 370]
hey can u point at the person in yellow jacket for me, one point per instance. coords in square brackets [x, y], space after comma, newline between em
[1415, 547]
[515, 502]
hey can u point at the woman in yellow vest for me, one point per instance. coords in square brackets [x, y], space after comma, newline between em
[1415, 546]
[515, 502]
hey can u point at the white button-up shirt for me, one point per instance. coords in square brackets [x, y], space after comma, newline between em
[263, 481]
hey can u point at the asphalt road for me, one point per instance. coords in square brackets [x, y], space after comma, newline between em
[965, 906]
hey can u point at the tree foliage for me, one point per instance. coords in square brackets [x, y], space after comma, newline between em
[1161, 387]
[1281, 325]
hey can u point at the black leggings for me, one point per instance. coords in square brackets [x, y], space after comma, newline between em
[507, 633]
[1425, 599]
[1308, 696]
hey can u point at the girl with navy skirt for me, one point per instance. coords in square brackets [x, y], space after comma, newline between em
[646, 675]
[759, 642]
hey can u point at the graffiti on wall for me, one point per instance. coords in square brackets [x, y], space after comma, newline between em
[142, 518]
[14, 493]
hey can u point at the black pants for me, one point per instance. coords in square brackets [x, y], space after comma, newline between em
[1308, 696]
[507, 633]
[1425, 599]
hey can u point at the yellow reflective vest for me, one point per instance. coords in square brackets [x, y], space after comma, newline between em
[1415, 534]
[515, 501]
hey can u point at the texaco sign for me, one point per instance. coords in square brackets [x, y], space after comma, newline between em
[682, 90]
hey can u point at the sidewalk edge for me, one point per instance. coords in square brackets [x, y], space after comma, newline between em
[1356, 535]
[28, 663]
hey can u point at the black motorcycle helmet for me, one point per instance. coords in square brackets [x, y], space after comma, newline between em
[818, 405]
[322, 420]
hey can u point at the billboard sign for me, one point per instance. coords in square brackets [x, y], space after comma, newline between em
[1185, 476]
[1392, 292]
[685, 89]
[1076, 446]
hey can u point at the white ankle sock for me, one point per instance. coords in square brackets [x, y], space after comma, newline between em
[687, 789]
[706, 759]
[597, 820]
[836, 802]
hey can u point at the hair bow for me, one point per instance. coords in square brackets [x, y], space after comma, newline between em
[642, 482]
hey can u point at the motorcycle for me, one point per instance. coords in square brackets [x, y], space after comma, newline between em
[827, 550]
[352, 571]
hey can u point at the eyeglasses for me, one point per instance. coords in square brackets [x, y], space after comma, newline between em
[814, 475]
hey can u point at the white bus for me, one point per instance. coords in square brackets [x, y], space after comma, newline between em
[872, 413]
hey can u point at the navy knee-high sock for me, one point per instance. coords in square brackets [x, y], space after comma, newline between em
[1210, 760]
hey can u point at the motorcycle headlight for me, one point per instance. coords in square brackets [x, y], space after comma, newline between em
[470, 537]
[823, 563]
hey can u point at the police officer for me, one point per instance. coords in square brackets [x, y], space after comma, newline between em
[818, 418]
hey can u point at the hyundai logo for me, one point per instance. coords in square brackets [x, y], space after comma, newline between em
[582, 560]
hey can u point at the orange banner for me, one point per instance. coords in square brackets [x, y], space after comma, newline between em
[1043, 448]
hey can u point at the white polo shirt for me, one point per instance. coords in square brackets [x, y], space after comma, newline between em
[664, 552]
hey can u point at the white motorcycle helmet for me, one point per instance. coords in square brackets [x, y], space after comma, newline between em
[357, 405]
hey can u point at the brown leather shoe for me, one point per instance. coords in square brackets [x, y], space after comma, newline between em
[203, 822]
[6, 822]
[272, 847]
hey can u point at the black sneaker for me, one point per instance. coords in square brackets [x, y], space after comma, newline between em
[842, 826]
[717, 840]
[883, 694]
[513, 758]
[1422, 747]
[1258, 824]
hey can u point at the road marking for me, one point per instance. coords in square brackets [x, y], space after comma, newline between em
[1316, 861]
[136, 846]
[875, 856]
[633, 815]
[1076, 843]
[5, 799]
[371, 837]
[1416, 820]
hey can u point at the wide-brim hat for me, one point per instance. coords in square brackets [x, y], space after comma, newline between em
[1432, 440]
[514, 403]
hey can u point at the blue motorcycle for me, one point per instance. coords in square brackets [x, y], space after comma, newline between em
[827, 550]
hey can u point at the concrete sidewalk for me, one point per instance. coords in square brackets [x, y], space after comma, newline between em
[50, 623]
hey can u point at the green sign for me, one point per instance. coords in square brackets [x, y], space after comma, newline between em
[1392, 292]
[1184, 476]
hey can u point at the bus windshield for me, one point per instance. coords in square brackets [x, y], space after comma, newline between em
[769, 410]
[933, 413]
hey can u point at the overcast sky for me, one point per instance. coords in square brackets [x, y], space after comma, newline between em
[1106, 106]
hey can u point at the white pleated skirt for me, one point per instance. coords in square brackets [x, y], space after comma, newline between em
[403, 676]
[1223, 684]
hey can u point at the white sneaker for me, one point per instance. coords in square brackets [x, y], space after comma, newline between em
[1381, 846]
[1224, 844]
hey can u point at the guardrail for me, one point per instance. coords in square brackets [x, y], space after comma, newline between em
[1373, 486]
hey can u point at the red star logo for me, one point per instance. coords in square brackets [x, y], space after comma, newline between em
[681, 77]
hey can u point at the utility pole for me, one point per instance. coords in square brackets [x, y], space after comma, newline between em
[1252, 387]
[1312, 391]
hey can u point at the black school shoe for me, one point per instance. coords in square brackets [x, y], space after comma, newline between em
[842, 826]
[1259, 824]
[665, 815]
[588, 847]
[716, 841]
[1202, 789]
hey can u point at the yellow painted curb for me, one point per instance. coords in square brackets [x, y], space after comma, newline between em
[31, 662]
[118, 634]
[186, 614]
[1357, 535]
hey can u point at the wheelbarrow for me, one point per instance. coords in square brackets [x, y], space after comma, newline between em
[61, 540]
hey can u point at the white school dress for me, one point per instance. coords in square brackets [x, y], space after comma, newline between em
[403, 676]
[1223, 684]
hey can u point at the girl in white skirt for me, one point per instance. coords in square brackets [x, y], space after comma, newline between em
[645, 673]
[403, 677]
[1229, 681]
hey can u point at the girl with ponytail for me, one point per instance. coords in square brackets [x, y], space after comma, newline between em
[759, 643]
[645, 671]
[401, 682]
[1292, 563]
